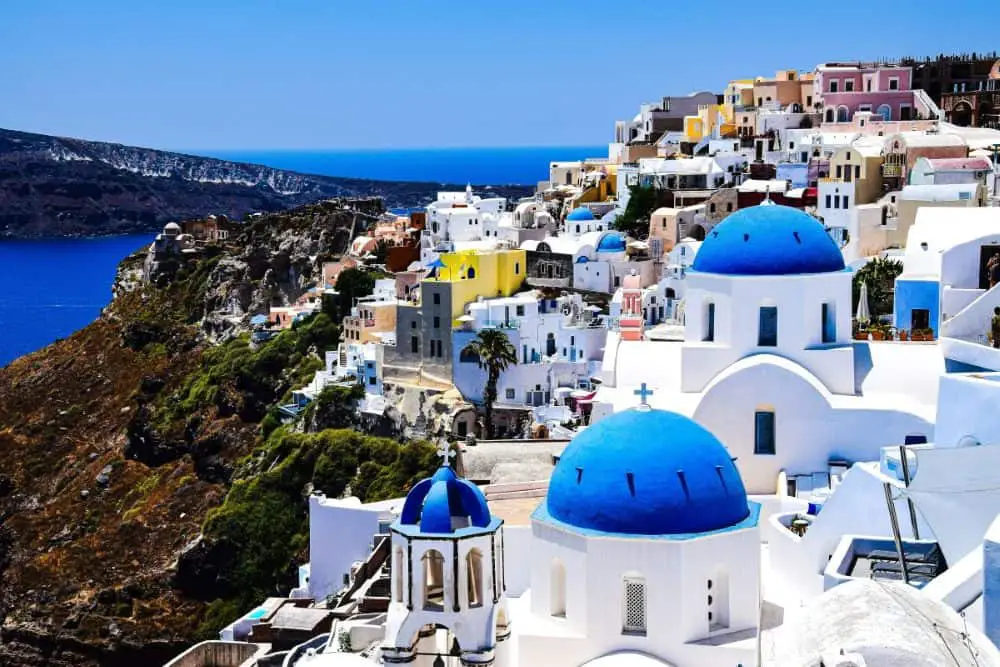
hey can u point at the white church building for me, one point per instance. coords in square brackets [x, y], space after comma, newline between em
[650, 552]
[768, 363]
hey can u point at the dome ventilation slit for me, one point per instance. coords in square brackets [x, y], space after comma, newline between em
[684, 484]
[630, 478]
[579, 475]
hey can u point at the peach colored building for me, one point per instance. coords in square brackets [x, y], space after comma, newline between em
[368, 320]
[331, 270]
[902, 150]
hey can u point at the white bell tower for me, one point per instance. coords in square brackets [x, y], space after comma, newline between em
[448, 605]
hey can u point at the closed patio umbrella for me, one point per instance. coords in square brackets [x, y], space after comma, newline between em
[863, 315]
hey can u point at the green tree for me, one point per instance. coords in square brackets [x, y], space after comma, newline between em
[879, 274]
[352, 284]
[495, 354]
[643, 200]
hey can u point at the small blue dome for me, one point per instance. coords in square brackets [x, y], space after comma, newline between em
[647, 472]
[581, 213]
[611, 242]
[768, 240]
[444, 503]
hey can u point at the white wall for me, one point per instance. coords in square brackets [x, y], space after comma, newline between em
[967, 407]
[340, 534]
[811, 426]
[738, 301]
[676, 574]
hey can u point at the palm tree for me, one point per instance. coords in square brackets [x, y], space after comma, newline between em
[495, 354]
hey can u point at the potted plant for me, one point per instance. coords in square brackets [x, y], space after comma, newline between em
[861, 333]
[903, 335]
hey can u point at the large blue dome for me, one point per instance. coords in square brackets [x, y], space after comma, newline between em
[647, 472]
[768, 240]
[581, 213]
[445, 503]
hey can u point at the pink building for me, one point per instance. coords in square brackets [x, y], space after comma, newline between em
[847, 88]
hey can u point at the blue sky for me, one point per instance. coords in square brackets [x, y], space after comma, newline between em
[256, 74]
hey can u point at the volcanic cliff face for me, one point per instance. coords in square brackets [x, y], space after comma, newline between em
[54, 186]
[148, 491]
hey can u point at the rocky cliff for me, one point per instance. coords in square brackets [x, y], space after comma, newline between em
[54, 186]
[149, 491]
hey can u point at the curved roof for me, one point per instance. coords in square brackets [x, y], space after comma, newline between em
[611, 242]
[647, 472]
[444, 503]
[768, 240]
[581, 213]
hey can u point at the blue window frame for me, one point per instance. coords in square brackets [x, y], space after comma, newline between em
[767, 334]
[763, 433]
[710, 323]
[829, 324]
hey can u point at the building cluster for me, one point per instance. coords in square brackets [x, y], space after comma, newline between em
[710, 450]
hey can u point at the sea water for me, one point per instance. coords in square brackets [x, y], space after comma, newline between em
[51, 288]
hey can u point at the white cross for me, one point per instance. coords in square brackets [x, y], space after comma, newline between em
[446, 453]
[642, 392]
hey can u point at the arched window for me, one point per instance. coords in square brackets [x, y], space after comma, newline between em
[829, 115]
[634, 605]
[474, 577]
[433, 567]
[471, 273]
[885, 111]
[843, 115]
[398, 564]
[550, 344]
[557, 592]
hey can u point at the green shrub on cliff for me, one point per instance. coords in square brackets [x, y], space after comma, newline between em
[260, 533]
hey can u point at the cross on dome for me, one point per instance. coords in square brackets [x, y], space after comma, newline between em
[446, 453]
[643, 393]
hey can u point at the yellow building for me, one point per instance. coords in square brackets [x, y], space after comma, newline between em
[475, 273]
[423, 329]
[709, 118]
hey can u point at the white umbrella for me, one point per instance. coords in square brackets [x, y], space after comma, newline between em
[863, 315]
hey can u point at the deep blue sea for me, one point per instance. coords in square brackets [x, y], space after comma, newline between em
[51, 288]
[496, 166]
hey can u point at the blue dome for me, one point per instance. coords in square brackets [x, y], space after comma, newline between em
[647, 472]
[444, 503]
[611, 243]
[581, 213]
[768, 240]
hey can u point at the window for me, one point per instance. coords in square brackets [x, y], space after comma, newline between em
[709, 323]
[517, 268]
[763, 432]
[711, 207]
[414, 344]
[834, 84]
[729, 207]
[519, 310]
[847, 201]
[839, 171]
[829, 323]
[413, 324]
[467, 357]
[437, 322]
[836, 201]
[634, 606]
[893, 83]
[849, 86]
[437, 298]
[557, 592]
[767, 331]
[433, 563]
[857, 171]
[372, 380]
[828, 201]
[474, 578]
[809, 101]
[509, 394]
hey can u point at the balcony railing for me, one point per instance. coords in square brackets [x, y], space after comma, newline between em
[501, 324]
